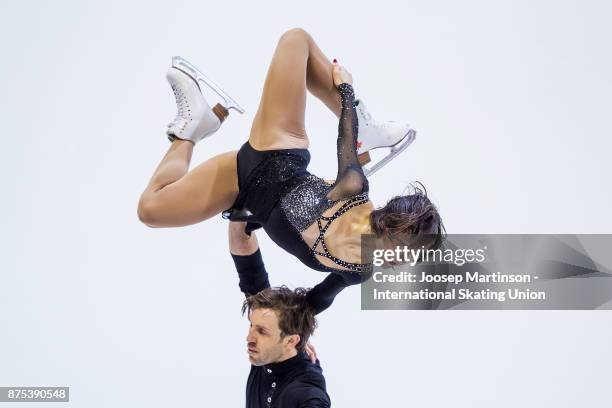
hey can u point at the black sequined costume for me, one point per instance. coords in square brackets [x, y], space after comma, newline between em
[285, 199]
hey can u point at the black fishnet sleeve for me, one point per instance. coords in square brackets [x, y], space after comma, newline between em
[350, 179]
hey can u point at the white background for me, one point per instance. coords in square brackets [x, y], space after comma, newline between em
[512, 101]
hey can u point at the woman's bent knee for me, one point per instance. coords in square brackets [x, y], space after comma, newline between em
[146, 212]
[295, 34]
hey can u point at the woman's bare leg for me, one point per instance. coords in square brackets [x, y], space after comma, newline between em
[297, 65]
[176, 197]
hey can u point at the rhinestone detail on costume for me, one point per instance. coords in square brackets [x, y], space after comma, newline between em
[306, 202]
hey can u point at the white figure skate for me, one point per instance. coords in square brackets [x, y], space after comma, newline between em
[195, 119]
[374, 135]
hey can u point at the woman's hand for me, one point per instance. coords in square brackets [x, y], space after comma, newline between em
[311, 352]
[341, 75]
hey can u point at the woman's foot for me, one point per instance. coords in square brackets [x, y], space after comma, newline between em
[396, 136]
[373, 135]
[195, 119]
[340, 74]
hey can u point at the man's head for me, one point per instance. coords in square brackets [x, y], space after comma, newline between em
[281, 323]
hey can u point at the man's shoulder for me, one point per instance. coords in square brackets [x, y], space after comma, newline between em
[310, 384]
[308, 391]
[307, 388]
[308, 374]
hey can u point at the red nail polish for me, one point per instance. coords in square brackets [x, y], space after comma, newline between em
[335, 60]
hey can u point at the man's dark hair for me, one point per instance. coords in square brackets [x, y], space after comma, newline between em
[294, 314]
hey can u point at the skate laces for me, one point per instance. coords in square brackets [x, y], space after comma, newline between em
[388, 124]
[376, 124]
[365, 114]
[182, 107]
[367, 117]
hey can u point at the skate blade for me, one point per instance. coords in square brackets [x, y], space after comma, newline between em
[393, 153]
[189, 69]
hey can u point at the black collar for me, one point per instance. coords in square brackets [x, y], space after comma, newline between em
[284, 367]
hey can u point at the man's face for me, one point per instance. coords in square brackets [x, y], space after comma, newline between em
[264, 342]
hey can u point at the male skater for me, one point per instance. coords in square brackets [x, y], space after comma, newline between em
[282, 375]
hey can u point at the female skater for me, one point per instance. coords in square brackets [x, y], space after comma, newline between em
[318, 222]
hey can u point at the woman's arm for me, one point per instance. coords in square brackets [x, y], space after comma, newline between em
[322, 295]
[350, 179]
[248, 261]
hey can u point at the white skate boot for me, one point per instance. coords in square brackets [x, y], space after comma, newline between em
[373, 135]
[195, 119]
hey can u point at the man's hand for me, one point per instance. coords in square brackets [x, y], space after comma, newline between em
[239, 242]
[312, 353]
